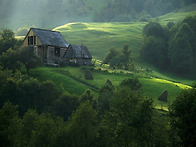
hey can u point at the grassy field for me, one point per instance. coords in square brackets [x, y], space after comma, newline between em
[72, 80]
[100, 37]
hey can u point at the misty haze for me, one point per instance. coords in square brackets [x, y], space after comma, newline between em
[97, 73]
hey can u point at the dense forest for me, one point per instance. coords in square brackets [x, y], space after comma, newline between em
[48, 13]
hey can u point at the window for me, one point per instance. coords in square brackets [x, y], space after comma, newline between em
[31, 40]
[57, 52]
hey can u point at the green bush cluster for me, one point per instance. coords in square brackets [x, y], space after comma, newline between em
[119, 59]
[171, 47]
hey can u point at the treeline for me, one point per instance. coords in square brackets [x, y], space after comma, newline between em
[34, 113]
[49, 13]
[172, 47]
[134, 10]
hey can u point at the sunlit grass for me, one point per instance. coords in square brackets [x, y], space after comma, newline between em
[175, 17]
[20, 37]
[100, 37]
[152, 87]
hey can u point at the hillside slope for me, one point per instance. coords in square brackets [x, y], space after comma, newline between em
[100, 37]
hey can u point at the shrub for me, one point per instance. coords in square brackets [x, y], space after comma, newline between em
[88, 75]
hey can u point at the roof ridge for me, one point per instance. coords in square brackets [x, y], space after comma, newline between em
[44, 30]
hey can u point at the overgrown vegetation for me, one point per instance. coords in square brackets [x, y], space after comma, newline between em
[171, 47]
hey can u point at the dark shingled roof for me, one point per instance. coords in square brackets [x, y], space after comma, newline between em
[77, 51]
[48, 37]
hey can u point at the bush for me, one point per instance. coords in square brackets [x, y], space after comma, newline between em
[88, 75]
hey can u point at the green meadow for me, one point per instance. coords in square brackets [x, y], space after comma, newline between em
[99, 38]
[72, 80]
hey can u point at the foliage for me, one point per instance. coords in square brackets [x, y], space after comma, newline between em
[130, 114]
[118, 59]
[9, 60]
[9, 125]
[105, 98]
[65, 105]
[182, 115]
[112, 53]
[171, 48]
[154, 50]
[82, 128]
[88, 75]
[153, 29]
[7, 40]
[28, 58]
[129, 10]
[131, 83]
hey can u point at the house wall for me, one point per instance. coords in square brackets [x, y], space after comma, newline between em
[45, 52]
[25, 42]
[62, 52]
[50, 54]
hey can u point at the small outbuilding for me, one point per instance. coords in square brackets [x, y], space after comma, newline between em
[78, 54]
[49, 45]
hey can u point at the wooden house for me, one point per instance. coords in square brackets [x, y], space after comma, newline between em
[78, 54]
[49, 45]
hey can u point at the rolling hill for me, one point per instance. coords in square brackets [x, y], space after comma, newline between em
[99, 38]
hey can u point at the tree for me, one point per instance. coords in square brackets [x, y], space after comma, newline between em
[10, 125]
[182, 118]
[65, 105]
[180, 50]
[126, 59]
[28, 58]
[119, 59]
[82, 128]
[28, 127]
[30, 95]
[9, 60]
[154, 50]
[112, 54]
[45, 131]
[153, 29]
[7, 40]
[50, 93]
[106, 95]
[131, 83]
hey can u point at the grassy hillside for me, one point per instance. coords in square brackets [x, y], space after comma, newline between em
[100, 37]
[72, 80]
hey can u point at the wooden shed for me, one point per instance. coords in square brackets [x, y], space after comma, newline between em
[49, 45]
[78, 54]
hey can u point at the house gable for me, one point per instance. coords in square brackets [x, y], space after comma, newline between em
[77, 52]
[39, 37]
